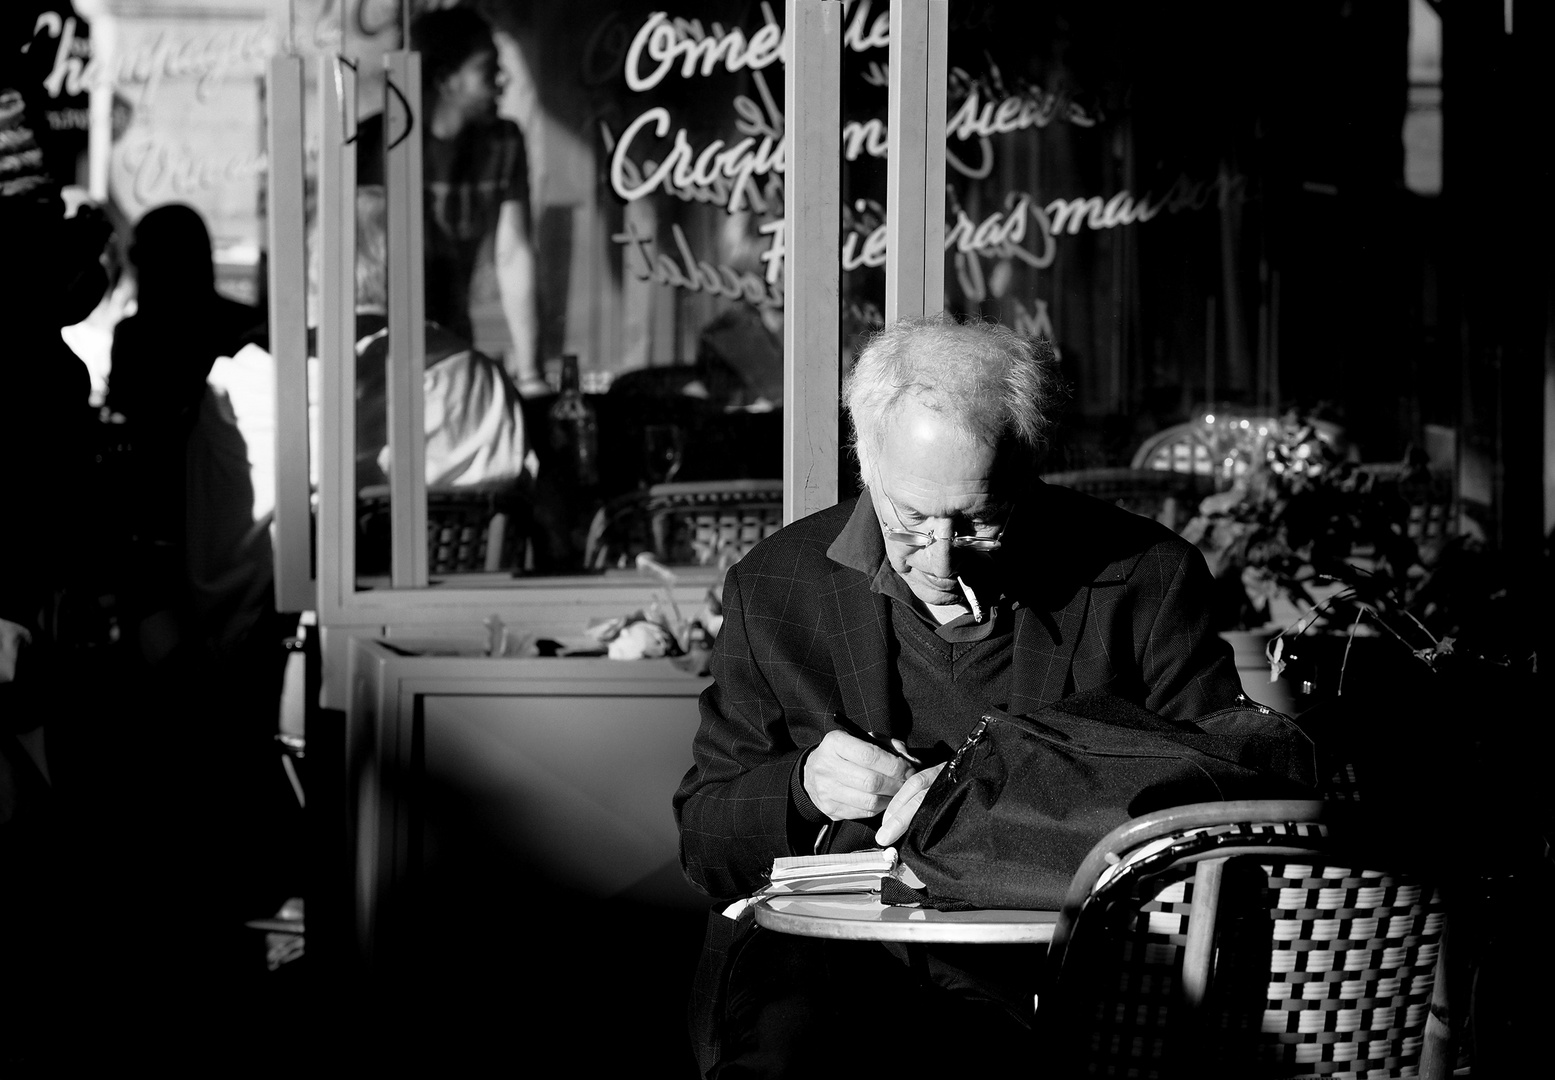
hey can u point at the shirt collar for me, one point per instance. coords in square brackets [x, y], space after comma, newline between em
[859, 545]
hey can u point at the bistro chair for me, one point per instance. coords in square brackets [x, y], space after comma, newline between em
[1170, 497]
[1247, 939]
[1427, 490]
[469, 529]
[686, 524]
[1200, 448]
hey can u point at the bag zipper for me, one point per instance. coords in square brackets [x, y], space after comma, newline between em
[972, 739]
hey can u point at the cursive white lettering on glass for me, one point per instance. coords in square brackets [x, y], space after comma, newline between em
[664, 42]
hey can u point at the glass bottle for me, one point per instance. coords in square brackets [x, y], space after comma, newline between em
[575, 428]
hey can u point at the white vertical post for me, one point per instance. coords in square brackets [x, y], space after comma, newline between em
[936, 95]
[337, 336]
[407, 322]
[812, 274]
[99, 131]
[295, 589]
[915, 161]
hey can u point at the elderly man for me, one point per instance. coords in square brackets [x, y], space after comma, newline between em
[958, 582]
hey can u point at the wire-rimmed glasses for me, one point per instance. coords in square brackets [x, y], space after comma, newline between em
[918, 540]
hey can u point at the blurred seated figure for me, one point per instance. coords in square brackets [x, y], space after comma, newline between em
[474, 424]
[741, 348]
[740, 357]
[473, 414]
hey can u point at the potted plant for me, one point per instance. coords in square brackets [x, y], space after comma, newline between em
[1300, 533]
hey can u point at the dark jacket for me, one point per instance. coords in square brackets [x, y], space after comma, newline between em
[1102, 597]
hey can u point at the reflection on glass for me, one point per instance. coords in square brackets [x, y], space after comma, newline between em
[636, 307]
[663, 448]
[575, 430]
[479, 467]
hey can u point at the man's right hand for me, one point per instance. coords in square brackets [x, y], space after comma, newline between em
[848, 778]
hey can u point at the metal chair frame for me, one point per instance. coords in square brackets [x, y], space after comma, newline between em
[1166, 496]
[1155, 969]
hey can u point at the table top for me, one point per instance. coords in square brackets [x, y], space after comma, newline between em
[862, 917]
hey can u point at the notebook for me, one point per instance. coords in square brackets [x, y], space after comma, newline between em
[843, 872]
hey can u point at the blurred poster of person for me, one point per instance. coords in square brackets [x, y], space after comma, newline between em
[475, 174]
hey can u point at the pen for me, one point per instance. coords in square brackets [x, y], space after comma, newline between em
[892, 746]
[885, 742]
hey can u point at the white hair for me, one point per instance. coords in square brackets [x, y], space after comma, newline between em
[990, 383]
[372, 254]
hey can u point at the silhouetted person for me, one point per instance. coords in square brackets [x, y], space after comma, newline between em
[163, 352]
[161, 356]
[196, 605]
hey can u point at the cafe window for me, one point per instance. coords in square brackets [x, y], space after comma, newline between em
[1208, 210]
[600, 299]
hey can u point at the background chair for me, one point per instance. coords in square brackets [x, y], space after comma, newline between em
[1247, 939]
[1428, 491]
[1197, 447]
[469, 529]
[690, 524]
[1170, 497]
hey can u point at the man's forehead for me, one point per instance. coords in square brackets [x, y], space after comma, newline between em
[929, 464]
[917, 431]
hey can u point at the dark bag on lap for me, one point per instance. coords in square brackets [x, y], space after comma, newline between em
[1007, 823]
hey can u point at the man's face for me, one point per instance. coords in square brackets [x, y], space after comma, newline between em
[475, 86]
[930, 478]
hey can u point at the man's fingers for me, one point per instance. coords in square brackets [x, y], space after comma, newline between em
[845, 805]
[849, 778]
[849, 788]
[868, 755]
[898, 815]
[903, 805]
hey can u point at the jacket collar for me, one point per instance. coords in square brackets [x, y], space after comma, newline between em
[1052, 561]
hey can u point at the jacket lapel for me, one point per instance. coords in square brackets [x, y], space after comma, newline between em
[859, 651]
[1045, 641]
[1068, 556]
[857, 622]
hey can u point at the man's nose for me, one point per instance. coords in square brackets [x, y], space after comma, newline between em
[939, 558]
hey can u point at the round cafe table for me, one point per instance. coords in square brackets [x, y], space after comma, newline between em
[862, 917]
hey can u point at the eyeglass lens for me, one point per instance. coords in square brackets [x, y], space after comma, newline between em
[922, 540]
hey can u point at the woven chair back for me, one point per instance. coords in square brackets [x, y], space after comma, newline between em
[1317, 962]
[688, 524]
[470, 530]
